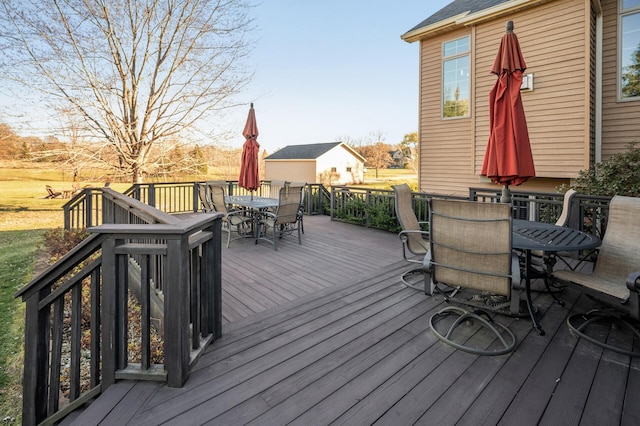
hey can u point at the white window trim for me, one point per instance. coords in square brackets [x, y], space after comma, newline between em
[621, 13]
[444, 59]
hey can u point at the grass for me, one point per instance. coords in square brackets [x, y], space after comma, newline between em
[25, 215]
[18, 252]
[388, 177]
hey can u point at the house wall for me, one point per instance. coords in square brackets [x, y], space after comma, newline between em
[556, 41]
[341, 159]
[620, 120]
[290, 170]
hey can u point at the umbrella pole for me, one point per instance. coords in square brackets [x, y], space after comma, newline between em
[506, 195]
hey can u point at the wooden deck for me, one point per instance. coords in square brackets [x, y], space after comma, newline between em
[324, 333]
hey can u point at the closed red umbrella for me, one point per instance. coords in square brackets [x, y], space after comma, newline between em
[508, 159]
[249, 177]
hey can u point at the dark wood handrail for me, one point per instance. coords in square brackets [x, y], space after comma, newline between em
[76, 310]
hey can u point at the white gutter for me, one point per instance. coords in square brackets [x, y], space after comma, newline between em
[598, 106]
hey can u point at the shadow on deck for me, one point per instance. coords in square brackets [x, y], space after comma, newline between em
[324, 333]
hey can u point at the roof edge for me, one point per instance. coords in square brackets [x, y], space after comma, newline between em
[352, 151]
[467, 18]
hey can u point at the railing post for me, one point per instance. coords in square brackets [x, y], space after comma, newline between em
[196, 199]
[176, 311]
[109, 312]
[212, 279]
[88, 210]
[36, 364]
[151, 195]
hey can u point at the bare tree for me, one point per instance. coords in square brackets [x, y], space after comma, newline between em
[409, 147]
[134, 73]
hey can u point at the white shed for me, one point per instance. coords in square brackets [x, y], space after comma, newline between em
[333, 163]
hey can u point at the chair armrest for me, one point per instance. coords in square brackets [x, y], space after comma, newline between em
[403, 234]
[240, 214]
[633, 281]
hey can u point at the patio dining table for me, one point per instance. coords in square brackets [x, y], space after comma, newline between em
[255, 205]
[530, 235]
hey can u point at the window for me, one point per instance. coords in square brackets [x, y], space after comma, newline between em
[334, 170]
[629, 49]
[456, 81]
[348, 169]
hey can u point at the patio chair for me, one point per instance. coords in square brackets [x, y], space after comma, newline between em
[52, 193]
[205, 198]
[303, 185]
[285, 220]
[415, 240]
[544, 262]
[471, 262]
[233, 220]
[615, 281]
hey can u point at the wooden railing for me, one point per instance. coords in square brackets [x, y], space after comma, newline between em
[77, 336]
[375, 207]
[587, 212]
[85, 209]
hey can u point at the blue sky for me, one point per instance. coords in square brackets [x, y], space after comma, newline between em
[331, 69]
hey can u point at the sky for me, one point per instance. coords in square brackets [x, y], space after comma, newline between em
[333, 70]
[324, 71]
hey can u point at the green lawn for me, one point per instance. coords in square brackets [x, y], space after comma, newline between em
[18, 252]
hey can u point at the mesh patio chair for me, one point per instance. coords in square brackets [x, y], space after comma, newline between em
[471, 262]
[615, 281]
[212, 198]
[285, 220]
[415, 240]
[544, 262]
[303, 185]
[204, 196]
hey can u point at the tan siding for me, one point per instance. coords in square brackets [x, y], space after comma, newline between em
[553, 38]
[620, 120]
[445, 144]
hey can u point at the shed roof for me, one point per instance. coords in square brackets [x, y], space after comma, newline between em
[303, 152]
[457, 7]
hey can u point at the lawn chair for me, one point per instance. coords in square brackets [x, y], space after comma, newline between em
[285, 220]
[615, 281]
[52, 193]
[212, 199]
[415, 240]
[471, 262]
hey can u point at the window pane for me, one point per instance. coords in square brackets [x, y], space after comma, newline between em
[456, 87]
[628, 4]
[630, 56]
[456, 47]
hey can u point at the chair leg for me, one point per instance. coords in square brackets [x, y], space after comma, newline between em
[415, 271]
[505, 336]
[578, 324]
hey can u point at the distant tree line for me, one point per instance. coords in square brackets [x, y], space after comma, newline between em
[91, 161]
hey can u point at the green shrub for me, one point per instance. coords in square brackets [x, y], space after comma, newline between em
[618, 175]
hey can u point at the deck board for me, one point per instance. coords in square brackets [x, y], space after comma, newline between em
[324, 333]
